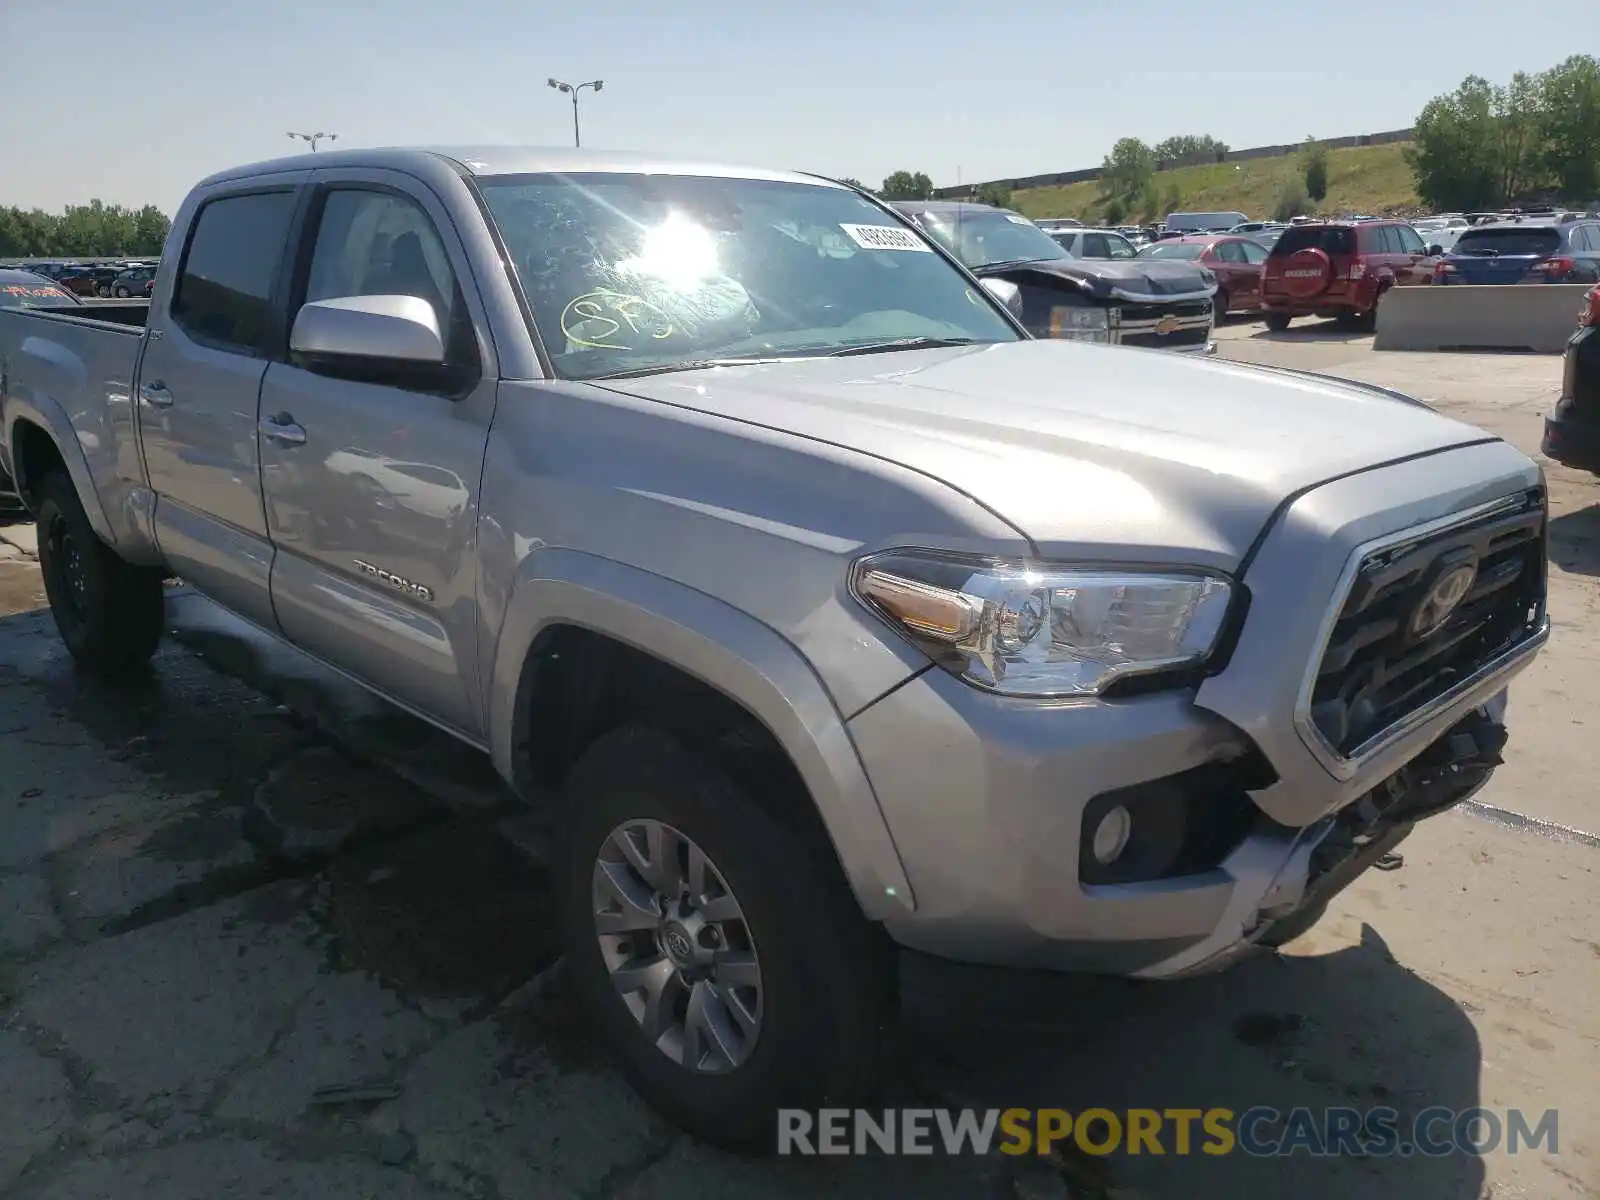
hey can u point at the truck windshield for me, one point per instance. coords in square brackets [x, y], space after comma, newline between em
[982, 237]
[632, 272]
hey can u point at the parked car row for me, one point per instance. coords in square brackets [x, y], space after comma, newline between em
[122, 279]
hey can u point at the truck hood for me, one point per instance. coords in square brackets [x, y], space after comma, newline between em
[1087, 450]
[1107, 279]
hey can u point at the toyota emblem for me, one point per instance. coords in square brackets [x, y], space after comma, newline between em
[1442, 599]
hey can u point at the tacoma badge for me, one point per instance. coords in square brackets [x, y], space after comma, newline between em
[395, 581]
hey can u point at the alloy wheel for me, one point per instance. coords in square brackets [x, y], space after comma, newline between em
[677, 946]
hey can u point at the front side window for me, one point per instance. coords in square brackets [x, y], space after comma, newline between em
[224, 292]
[374, 243]
[1253, 253]
[1120, 247]
[627, 272]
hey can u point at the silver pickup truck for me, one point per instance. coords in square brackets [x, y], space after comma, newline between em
[839, 617]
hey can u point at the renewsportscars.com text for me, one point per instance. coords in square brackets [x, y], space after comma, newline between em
[1260, 1131]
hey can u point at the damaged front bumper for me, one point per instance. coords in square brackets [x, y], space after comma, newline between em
[1282, 873]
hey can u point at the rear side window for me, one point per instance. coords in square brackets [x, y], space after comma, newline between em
[1330, 239]
[1492, 242]
[224, 292]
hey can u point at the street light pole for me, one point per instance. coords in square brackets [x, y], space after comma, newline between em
[311, 139]
[572, 89]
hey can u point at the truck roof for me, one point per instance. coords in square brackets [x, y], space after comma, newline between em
[509, 160]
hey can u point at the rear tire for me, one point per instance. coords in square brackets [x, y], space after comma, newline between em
[1276, 321]
[816, 976]
[110, 613]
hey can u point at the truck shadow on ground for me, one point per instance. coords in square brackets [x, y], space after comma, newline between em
[1305, 330]
[1575, 541]
[287, 788]
[1350, 1029]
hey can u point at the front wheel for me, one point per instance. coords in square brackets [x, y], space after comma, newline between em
[1277, 321]
[110, 613]
[119, 292]
[1220, 304]
[720, 955]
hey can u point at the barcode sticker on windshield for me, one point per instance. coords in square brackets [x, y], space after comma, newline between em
[885, 237]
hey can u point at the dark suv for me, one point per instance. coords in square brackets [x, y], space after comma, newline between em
[1340, 269]
[1524, 252]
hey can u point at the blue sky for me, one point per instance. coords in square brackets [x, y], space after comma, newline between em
[133, 102]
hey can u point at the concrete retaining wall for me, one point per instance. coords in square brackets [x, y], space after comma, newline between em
[1531, 316]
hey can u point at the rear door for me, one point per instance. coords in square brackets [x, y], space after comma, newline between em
[1255, 256]
[199, 382]
[372, 478]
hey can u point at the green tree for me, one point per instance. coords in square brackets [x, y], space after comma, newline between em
[1112, 211]
[1455, 153]
[1125, 173]
[997, 194]
[1292, 200]
[150, 229]
[1569, 119]
[1188, 149]
[907, 185]
[1314, 161]
[1515, 109]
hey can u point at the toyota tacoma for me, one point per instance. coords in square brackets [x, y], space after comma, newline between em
[833, 613]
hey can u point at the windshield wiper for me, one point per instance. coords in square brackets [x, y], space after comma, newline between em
[912, 343]
[693, 364]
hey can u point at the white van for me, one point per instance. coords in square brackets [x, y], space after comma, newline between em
[1200, 222]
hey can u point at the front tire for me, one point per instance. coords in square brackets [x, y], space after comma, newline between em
[718, 950]
[110, 613]
[1277, 322]
[1219, 305]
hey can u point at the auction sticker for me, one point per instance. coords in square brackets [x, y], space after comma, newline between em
[885, 237]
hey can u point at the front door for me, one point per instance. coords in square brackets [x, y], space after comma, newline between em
[198, 386]
[371, 494]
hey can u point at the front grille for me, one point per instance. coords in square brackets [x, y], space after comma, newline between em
[1183, 310]
[1387, 656]
[1196, 335]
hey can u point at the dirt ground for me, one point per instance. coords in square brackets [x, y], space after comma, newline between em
[262, 936]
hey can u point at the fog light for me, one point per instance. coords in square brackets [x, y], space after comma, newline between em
[1111, 835]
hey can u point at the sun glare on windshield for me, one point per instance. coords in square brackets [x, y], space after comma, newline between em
[677, 253]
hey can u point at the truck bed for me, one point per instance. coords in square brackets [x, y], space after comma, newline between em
[71, 368]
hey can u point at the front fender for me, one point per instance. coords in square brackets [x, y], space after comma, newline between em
[729, 650]
[48, 415]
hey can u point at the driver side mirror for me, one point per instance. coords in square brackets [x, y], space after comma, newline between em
[371, 329]
[1008, 293]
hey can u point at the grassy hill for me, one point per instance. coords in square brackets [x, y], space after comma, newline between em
[1364, 179]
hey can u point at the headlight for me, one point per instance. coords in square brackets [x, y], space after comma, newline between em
[1040, 629]
[1079, 323]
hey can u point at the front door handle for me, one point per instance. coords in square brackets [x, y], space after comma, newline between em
[155, 394]
[283, 430]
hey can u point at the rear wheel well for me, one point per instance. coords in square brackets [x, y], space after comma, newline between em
[33, 456]
[578, 684]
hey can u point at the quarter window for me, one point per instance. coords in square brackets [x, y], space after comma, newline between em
[224, 293]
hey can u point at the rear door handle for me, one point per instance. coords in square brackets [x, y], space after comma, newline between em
[155, 394]
[283, 430]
